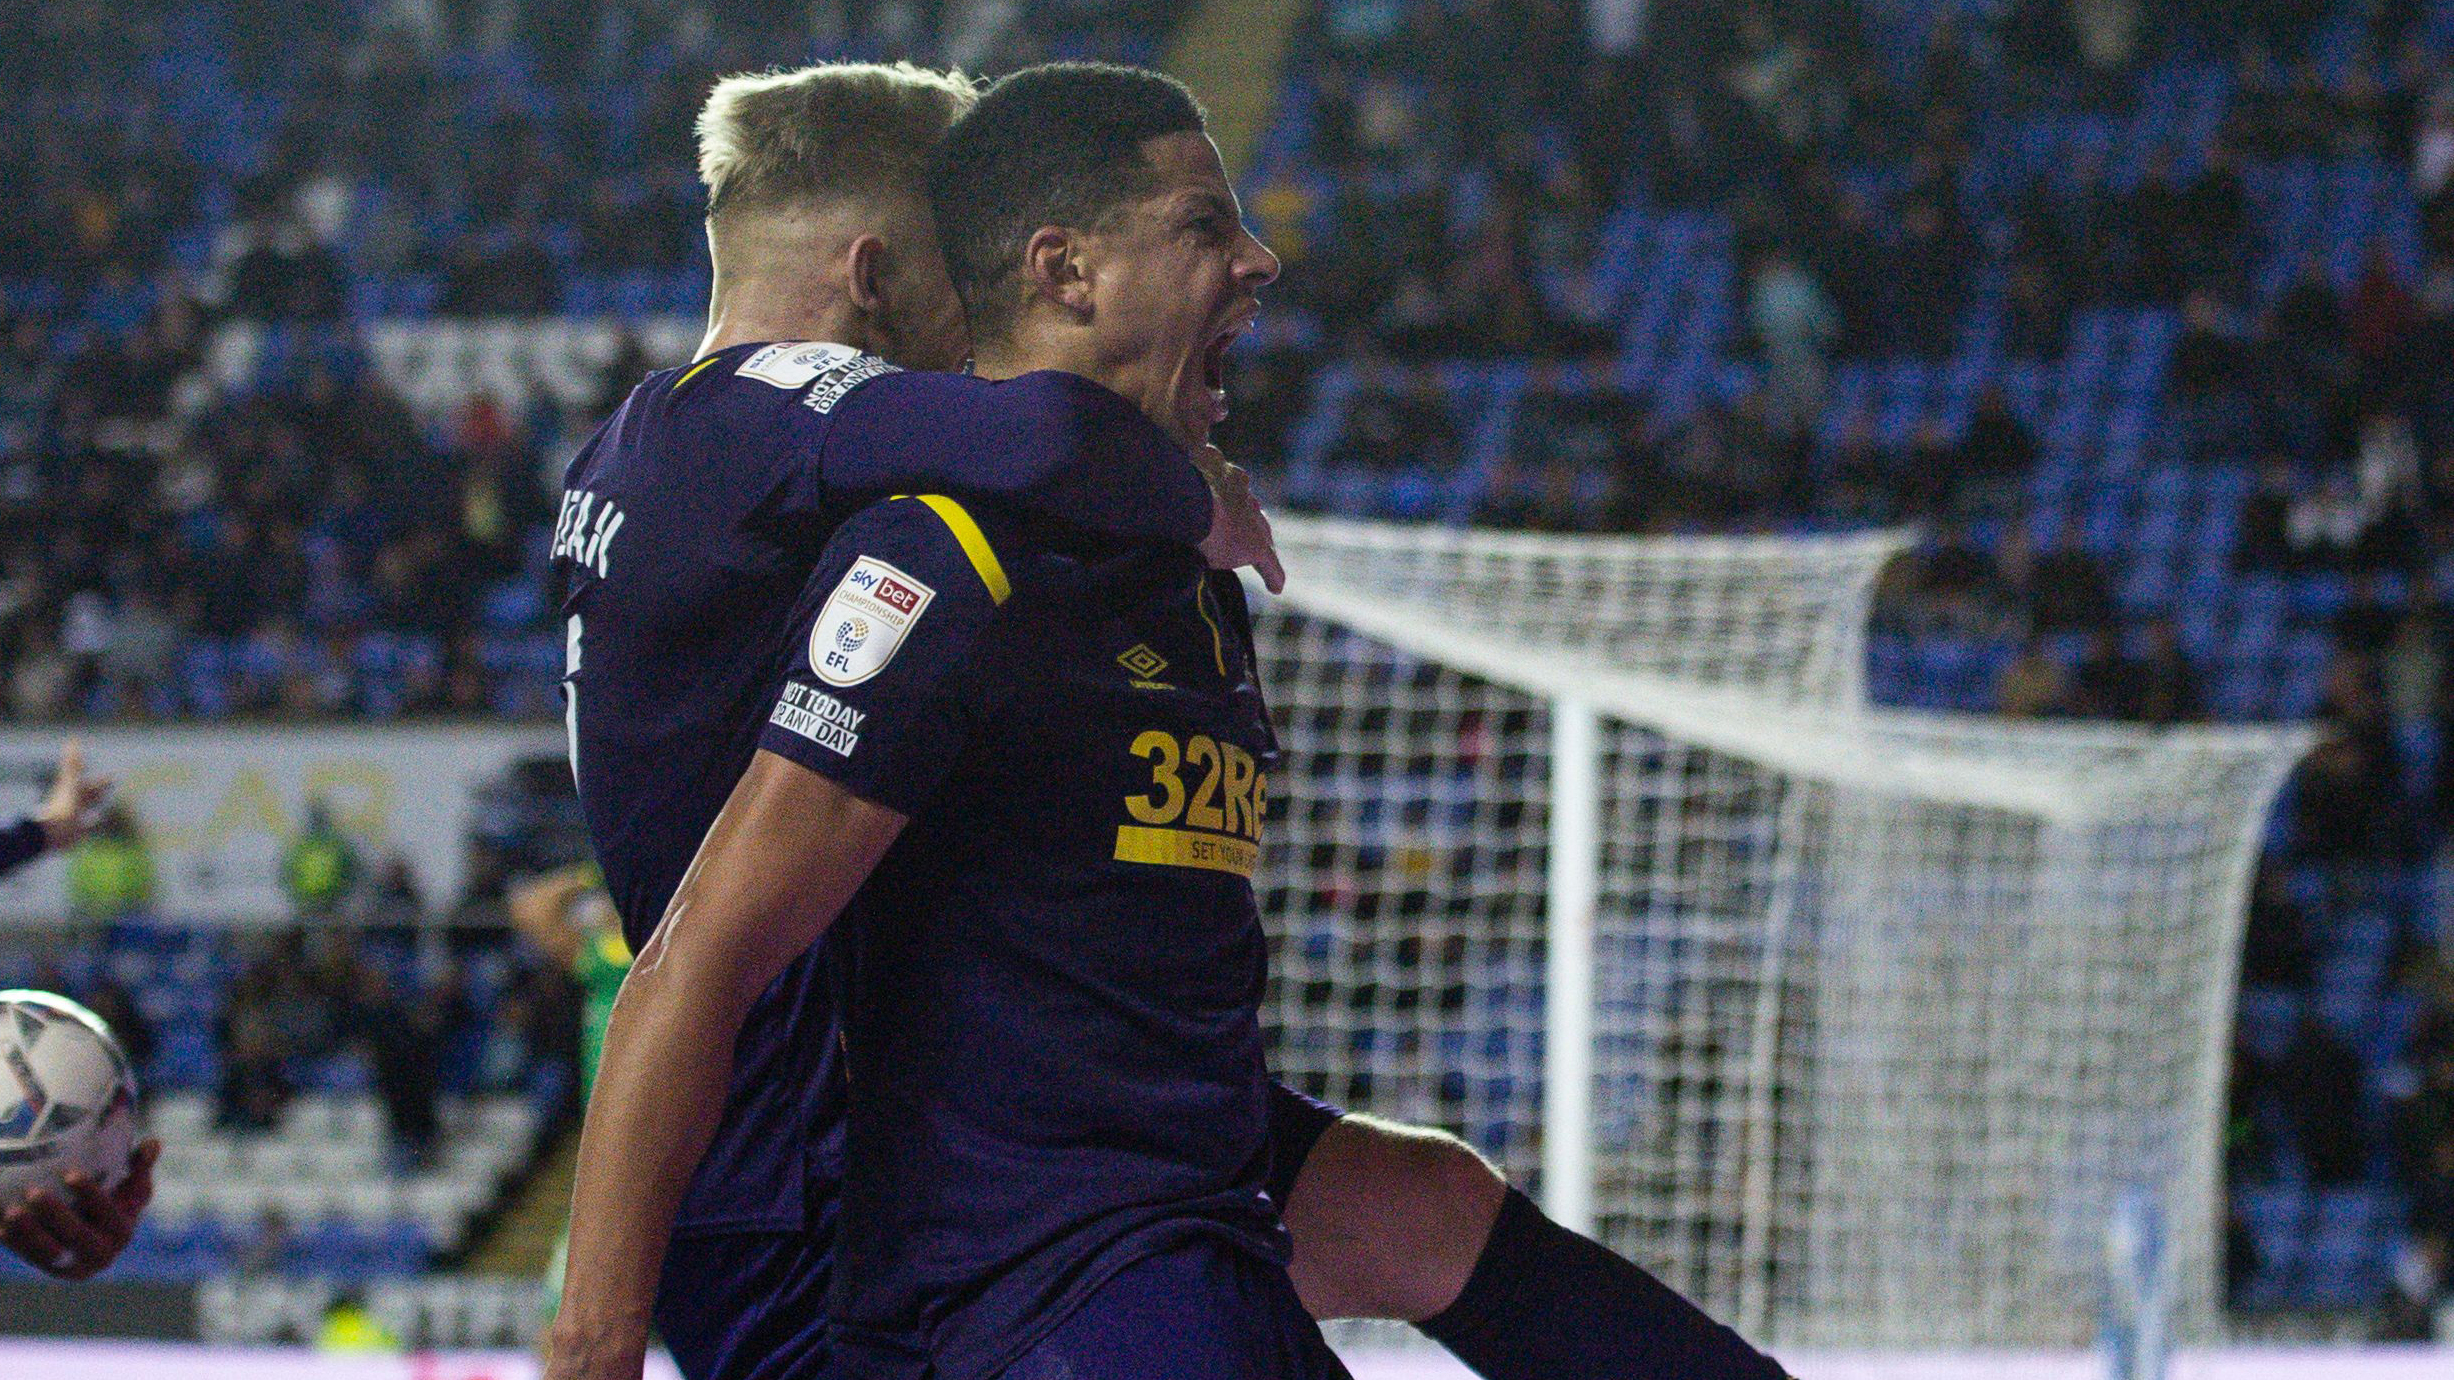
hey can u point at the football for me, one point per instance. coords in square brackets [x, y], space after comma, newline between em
[67, 1096]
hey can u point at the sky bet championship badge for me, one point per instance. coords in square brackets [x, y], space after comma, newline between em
[864, 622]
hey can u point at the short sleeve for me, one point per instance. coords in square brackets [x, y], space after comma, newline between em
[887, 671]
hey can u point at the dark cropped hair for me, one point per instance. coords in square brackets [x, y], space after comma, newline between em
[1056, 144]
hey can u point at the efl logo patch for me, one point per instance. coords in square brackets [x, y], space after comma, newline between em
[865, 621]
[794, 363]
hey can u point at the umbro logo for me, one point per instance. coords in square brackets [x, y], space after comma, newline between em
[1144, 665]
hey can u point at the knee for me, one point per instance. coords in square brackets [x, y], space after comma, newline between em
[1455, 1196]
[1446, 1181]
[1392, 1225]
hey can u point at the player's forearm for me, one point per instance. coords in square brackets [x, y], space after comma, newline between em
[783, 857]
[659, 1093]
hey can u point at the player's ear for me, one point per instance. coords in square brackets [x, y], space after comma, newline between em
[1052, 268]
[865, 274]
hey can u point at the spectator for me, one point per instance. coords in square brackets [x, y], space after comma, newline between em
[2350, 784]
[2070, 592]
[1268, 392]
[1387, 429]
[2379, 319]
[2413, 666]
[319, 869]
[110, 872]
[2432, 145]
[267, 1246]
[1724, 463]
[1794, 319]
[1996, 454]
[2313, 1080]
[106, 996]
[2157, 215]
[2325, 528]
[2031, 685]
[2210, 374]
[2107, 683]
[2266, 519]
[2276, 948]
[2036, 312]
[1958, 589]
[404, 1039]
[2167, 690]
[136, 659]
[255, 1089]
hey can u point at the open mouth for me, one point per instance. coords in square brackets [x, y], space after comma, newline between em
[1214, 368]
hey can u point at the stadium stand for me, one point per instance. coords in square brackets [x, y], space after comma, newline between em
[2138, 307]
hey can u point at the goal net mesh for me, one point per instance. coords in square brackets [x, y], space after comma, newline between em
[1887, 1009]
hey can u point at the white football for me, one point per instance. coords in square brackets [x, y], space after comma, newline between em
[67, 1097]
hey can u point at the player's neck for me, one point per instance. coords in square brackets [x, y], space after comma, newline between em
[754, 314]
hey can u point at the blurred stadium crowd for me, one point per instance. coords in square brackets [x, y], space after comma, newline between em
[2140, 308]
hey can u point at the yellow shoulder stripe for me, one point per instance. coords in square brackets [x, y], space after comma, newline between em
[974, 542]
[695, 371]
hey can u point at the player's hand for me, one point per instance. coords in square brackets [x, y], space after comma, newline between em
[1239, 530]
[578, 1353]
[79, 1236]
[69, 810]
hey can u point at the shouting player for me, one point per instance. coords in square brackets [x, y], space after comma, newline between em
[689, 526]
[1059, 1125]
[1389, 1222]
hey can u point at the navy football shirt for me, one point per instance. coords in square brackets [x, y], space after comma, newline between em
[1053, 1024]
[689, 526]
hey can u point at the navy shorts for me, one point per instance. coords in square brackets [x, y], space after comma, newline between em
[1296, 1124]
[747, 1306]
[1202, 1309]
[752, 1305]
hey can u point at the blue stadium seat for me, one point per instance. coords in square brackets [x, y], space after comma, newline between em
[2348, 1232]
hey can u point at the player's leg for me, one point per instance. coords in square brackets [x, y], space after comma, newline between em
[1409, 1223]
[1388, 1220]
[1200, 1310]
[746, 1306]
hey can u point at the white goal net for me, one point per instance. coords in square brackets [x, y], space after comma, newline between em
[1851, 1024]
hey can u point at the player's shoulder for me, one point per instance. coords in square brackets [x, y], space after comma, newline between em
[924, 566]
[793, 381]
[739, 406]
[920, 547]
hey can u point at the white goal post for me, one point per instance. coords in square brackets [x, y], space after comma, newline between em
[1852, 1024]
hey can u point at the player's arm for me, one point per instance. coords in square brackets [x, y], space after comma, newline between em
[67, 810]
[1056, 444]
[540, 910]
[783, 857]
[881, 699]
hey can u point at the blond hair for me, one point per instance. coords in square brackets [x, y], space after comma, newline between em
[839, 129]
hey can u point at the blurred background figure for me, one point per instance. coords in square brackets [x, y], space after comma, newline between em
[110, 870]
[319, 869]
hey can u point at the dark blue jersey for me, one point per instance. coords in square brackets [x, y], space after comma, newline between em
[690, 524]
[1053, 1028]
